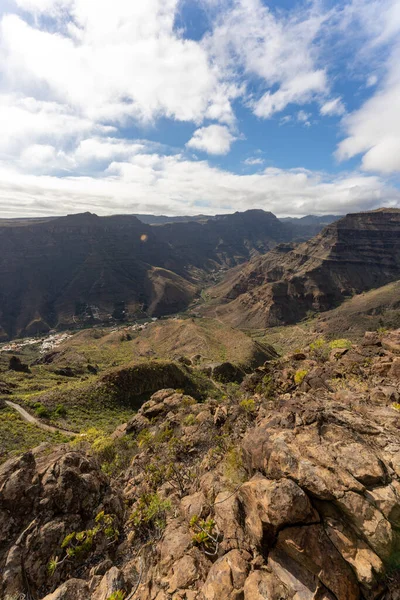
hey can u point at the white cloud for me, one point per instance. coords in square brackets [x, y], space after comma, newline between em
[333, 108]
[277, 48]
[157, 183]
[374, 129]
[253, 161]
[372, 80]
[113, 61]
[214, 139]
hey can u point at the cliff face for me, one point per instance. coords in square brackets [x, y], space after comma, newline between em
[55, 272]
[84, 268]
[355, 254]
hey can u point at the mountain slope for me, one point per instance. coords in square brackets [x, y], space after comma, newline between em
[357, 253]
[84, 268]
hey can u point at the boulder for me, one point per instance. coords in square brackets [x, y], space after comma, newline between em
[73, 589]
[43, 497]
[227, 577]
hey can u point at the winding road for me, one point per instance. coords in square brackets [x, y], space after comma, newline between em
[34, 421]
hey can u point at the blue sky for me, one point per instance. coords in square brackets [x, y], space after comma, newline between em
[168, 106]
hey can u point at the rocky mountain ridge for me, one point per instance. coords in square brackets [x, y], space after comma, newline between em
[352, 255]
[84, 268]
[286, 488]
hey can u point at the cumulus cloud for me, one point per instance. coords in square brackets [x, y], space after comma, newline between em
[214, 139]
[374, 129]
[113, 60]
[77, 77]
[277, 48]
[333, 108]
[173, 184]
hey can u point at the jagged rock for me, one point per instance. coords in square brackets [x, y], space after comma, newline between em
[113, 581]
[43, 497]
[312, 549]
[262, 585]
[74, 589]
[271, 505]
[371, 338]
[391, 342]
[227, 577]
[228, 520]
[185, 572]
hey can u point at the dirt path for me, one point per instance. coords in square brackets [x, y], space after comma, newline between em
[31, 419]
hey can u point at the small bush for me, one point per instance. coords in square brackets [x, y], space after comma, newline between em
[248, 406]
[320, 349]
[42, 412]
[189, 420]
[149, 516]
[299, 376]
[341, 343]
[60, 411]
[233, 466]
[78, 545]
[205, 535]
[118, 595]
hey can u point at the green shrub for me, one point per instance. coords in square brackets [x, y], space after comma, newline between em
[78, 545]
[118, 595]
[190, 420]
[205, 535]
[233, 466]
[320, 349]
[149, 515]
[42, 412]
[248, 406]
[341, 343]
[60, 411]
[299, 376]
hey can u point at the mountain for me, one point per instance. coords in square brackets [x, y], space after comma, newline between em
[321, 221]
[163, 219]
[310, 225]
[227, 240]
[81, 269]
[356, 253]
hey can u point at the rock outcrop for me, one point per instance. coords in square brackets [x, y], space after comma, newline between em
[355, 254]
[44, 496]
[288, 489]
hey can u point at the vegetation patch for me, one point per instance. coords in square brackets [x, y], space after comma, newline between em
[18, 436]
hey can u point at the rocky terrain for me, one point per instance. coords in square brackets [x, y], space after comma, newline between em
[84, 269]
[286, 486]
[357, 253]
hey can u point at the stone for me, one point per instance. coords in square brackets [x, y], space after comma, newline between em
[184, 573]
[113, 581]
[227, 577]
[73, 589]
[271, 505]
[262, 585]
[312, 549]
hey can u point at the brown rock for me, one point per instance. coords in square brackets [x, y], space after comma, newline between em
[313, 550]
[184, 573]
[113, 581]
[270, 505]
[262, 585]
[227, 577]
[73, 589]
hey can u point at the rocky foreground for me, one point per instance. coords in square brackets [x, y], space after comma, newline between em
[287, 488]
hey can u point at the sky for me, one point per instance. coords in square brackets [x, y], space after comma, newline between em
[199, 106]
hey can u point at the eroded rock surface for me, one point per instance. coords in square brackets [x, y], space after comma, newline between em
[278, 491]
